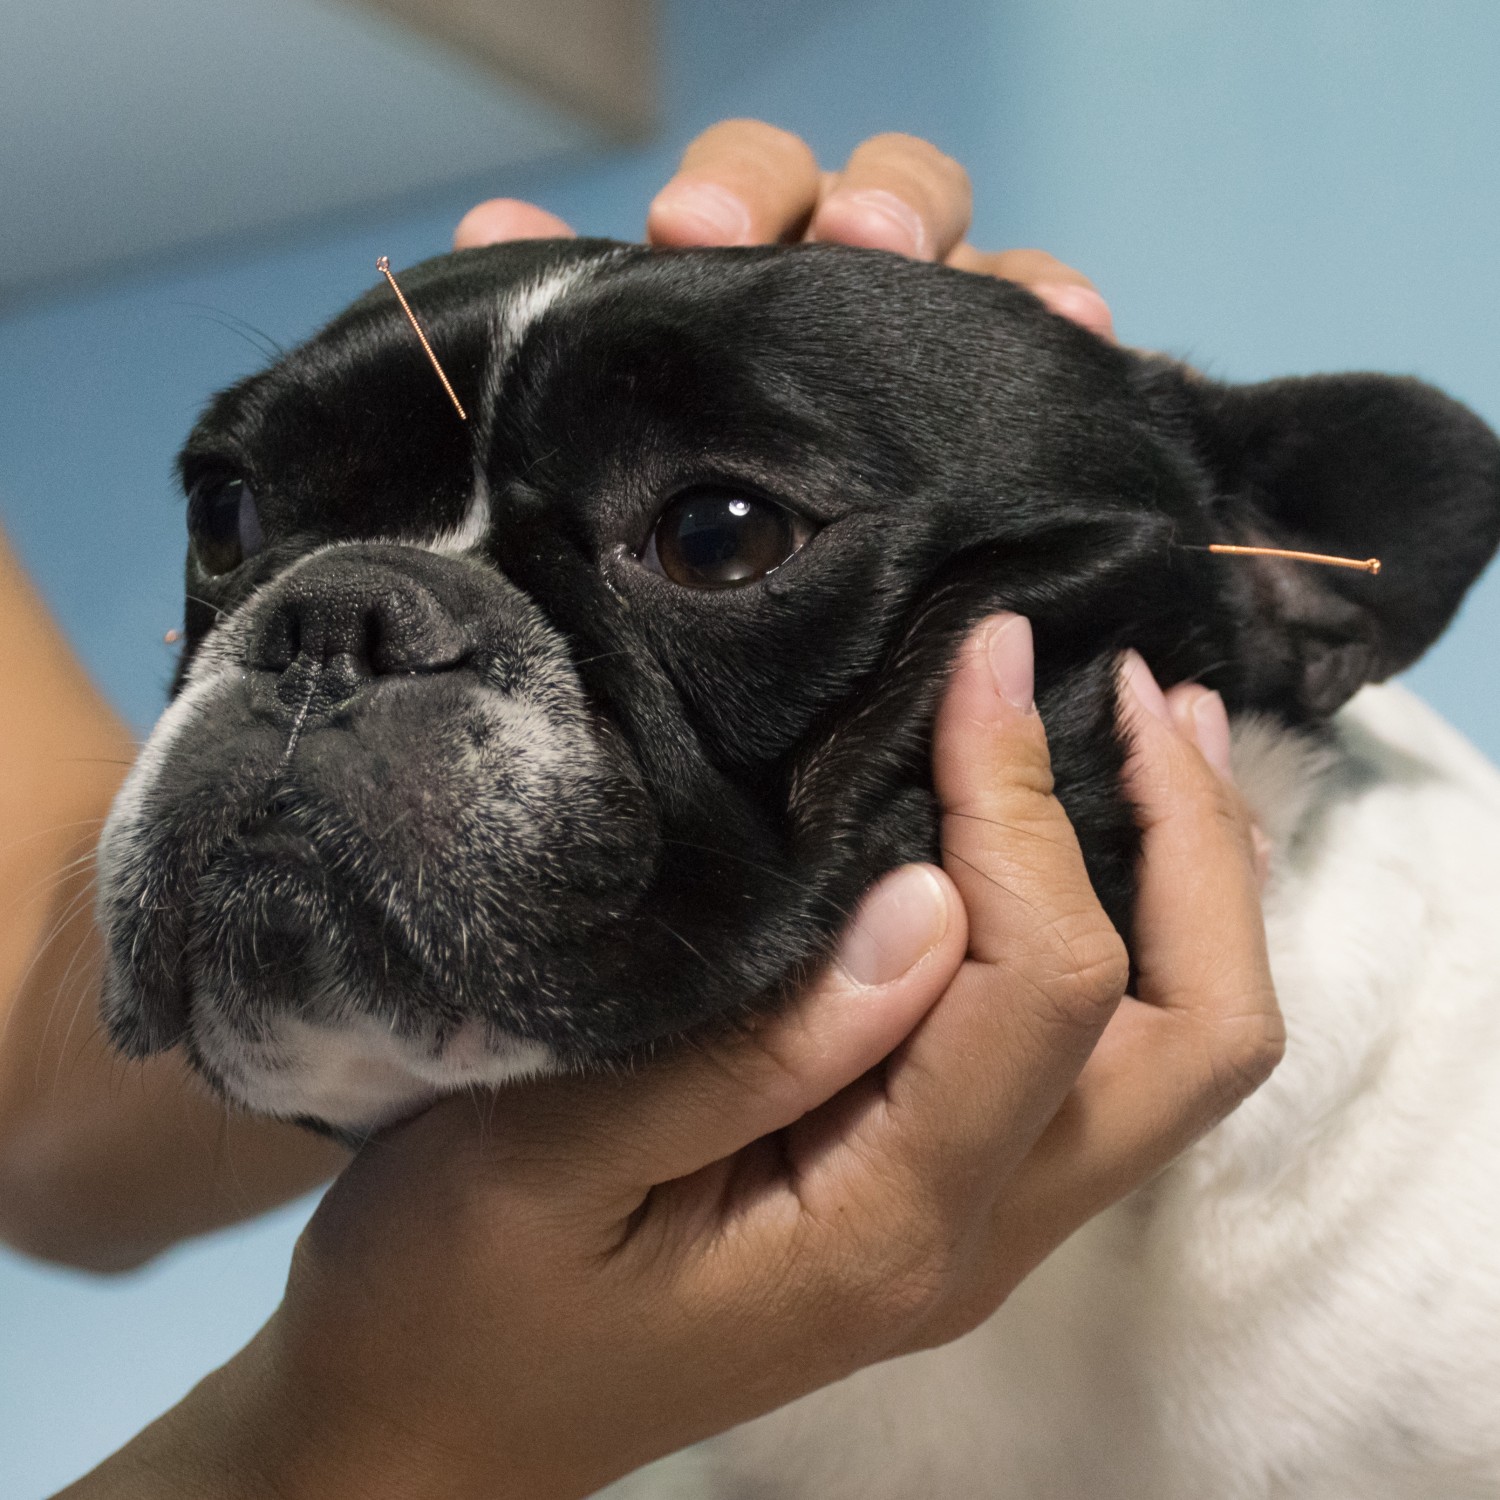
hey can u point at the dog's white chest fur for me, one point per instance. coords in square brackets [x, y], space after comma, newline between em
[1308, 1304]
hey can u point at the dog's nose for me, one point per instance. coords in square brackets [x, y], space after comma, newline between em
[340, 621]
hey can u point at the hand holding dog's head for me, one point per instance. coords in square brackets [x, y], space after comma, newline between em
[536, 740]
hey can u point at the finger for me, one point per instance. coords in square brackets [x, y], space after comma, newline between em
[499, 220]
[1069, 293]
[700, 1106]
[897, 193]
[986, 1069]
[742, 182]
[1208, 1025]
[1206, 1031]
[1193, 819]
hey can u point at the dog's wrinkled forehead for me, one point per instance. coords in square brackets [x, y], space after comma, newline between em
[603, 374]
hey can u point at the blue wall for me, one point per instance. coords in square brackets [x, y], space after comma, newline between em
[1290, 186]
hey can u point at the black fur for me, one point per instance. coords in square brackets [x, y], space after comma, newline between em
[755, 756]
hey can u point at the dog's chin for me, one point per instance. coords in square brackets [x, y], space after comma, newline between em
[351, 1077]
[290, 1041]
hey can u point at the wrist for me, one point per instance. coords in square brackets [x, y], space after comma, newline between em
[288, 1433]
[204, 1446]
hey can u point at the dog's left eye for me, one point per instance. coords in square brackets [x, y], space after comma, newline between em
[716, 540]
[223, 523]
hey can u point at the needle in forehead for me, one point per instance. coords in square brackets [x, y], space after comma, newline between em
[383, 265]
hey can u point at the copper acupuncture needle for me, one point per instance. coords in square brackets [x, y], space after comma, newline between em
[383, 265]
[1370, 565]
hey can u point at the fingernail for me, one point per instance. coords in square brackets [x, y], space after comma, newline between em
[1142, 686]
[877, 220]
[705, 213]
[1009, 650]
[1211, 732]
[1262, 848]
[1079, 304]
[898, 924]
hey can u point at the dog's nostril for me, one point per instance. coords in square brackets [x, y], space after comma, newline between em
[373, 634]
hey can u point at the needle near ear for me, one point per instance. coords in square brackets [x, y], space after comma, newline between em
[1370, 565]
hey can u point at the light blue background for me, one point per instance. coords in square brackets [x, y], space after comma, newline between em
[1288, 186]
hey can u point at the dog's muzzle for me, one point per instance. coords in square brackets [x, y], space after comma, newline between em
[372, 850]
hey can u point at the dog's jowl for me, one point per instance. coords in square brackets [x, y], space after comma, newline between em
[543, 740]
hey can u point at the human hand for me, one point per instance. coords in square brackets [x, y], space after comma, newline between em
[538, 1292]
[743, 182]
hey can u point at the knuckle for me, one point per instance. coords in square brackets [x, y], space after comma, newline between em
[886, 1284]
[760, 138]
[1093, 968]
[1256, 1046]
[935, 177]
[1070, 962]
[913, 1298]
[911, 1281]
[766, 1056]
[916, 152]
[1240, 1052]
[1006, 776]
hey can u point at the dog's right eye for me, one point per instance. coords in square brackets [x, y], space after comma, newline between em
[715, 540]
[223, 523]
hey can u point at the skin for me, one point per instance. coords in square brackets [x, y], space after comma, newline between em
[538, 1296]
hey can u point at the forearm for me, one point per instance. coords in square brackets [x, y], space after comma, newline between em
[101, 1163]
[248, 1432]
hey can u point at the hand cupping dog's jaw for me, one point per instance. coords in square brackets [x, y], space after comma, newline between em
[465, 778]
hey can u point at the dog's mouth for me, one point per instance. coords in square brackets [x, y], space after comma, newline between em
[270, 835]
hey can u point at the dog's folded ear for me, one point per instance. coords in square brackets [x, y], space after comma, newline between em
[1357, 465]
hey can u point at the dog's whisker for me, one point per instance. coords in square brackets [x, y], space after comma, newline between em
[257, 338]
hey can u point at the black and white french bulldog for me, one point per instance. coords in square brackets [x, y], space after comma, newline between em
[542, 740]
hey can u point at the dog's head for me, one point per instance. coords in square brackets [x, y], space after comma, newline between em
[536, 741]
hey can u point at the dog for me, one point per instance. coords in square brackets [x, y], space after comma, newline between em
[542, 740]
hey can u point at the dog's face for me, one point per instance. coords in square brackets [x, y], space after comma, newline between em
[538, 741]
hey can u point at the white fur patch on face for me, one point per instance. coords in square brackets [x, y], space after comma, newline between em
[522, 308]
[519, 310]
[357, 1074]
[472, 529]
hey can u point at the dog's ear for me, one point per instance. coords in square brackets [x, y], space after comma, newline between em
[1357, 465]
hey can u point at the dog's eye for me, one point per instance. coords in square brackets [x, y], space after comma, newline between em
[223, 523]
[715, 541]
